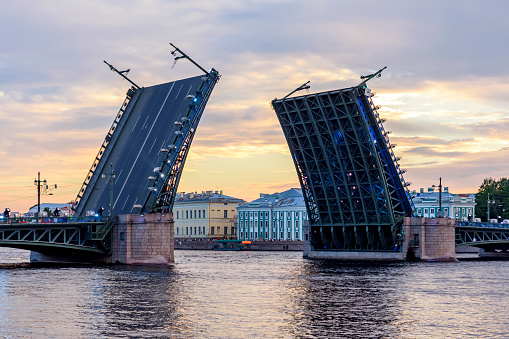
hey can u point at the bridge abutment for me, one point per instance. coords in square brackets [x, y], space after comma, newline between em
[430, 239]
[143, 239]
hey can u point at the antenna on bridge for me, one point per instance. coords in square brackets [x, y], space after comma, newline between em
[121, 73]
[184, 56]
[366, 78]
[300, 88]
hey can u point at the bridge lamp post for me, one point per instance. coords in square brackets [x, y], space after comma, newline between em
[439, 198]
[111, 176]
[488, 208]
[38, 182]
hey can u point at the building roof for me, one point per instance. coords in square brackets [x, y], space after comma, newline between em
[446, 197]
[50, 206]
[205, 196]
[290, 198]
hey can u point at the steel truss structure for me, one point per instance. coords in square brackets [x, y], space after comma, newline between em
[163, 192]
[353, 186]
[488, 236]
[61, 237]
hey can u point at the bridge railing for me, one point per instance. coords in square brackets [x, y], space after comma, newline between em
[48, 220]
[481, 224]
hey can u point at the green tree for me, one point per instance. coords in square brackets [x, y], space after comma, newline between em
[50, 213]
[498, 196]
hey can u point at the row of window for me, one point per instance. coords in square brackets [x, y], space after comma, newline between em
[276, 223]
[201, 231]
[457, 210]
[200, 214]
[254, 235]
[274, 214]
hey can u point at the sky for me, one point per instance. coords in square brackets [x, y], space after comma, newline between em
[444, 92]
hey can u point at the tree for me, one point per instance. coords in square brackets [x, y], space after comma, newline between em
[50, 214]
[498, 197]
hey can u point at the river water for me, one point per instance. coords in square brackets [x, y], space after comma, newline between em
[212, 294]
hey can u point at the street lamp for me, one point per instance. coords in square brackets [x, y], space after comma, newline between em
[488, 203]
[439, 214]
[111, 176]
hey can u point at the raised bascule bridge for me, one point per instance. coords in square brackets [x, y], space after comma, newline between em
[357, 200]
[133, 179]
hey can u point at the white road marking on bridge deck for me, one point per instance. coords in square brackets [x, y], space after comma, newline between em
[179, 91]
[189, 90]
[142, 146]
[136, 123]
[125, 202]
[152, 146]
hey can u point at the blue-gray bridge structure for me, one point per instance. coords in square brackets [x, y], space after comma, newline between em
[353, 186]
[137, 169]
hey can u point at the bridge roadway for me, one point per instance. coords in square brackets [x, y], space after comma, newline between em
[91, 236]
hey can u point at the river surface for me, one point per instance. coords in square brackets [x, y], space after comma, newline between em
[211, 294]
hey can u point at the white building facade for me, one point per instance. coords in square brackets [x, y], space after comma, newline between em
[456, 206]
[277, 216]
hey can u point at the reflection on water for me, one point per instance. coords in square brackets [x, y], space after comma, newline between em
[211, 294]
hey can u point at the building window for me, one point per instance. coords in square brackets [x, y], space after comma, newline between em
[226, 231]
[289, 235]
[195, 214]
[250, 214]
[432, 211]
[204, 230]
[256, 223]
[296, 234]
[187, 230]
[282, 235]
[177, 214]
[266, 214]
[241, 234]
[425, 211]
[303, 215]
[256, 234]
[419, 211]
[289, 224]
[190, 231]
[199, 214]
[296, 214]
[281, 214]
[233, 230]
[122, 236]
[195, 231]
[266, 235]
[187, 214]
[204, 213]
[266, 223]
[212, 231]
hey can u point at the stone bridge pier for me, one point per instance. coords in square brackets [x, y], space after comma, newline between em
[143, 239]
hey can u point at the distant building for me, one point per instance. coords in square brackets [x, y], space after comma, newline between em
[277, 216]
[206, 215]
[456, 206]
[65, 209]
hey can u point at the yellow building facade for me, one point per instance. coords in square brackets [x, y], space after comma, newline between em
[209, 215]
